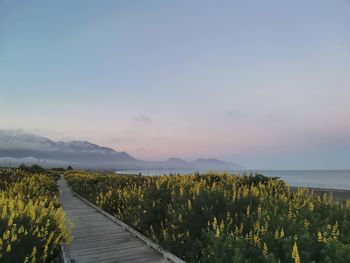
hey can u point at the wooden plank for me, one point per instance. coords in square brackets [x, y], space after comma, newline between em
[98, 237]
[128, 256]
[89, 247]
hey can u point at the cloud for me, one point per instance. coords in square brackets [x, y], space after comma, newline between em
[142, 119]
[19, 139]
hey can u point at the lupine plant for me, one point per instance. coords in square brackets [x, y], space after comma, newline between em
[219, 217]
[32, 223]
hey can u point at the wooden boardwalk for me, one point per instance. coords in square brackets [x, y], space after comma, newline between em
[97, 237]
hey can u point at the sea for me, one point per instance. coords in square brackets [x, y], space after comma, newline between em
[326, 179]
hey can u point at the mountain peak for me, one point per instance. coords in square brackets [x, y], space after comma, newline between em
[84, 154]
[175, 159]
[210, 160]
[79, 153]
[212, 163]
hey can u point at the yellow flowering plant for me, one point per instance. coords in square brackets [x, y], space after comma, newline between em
[220, 217]
[32, 223]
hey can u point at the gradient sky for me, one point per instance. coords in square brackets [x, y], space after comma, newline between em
[265, 84]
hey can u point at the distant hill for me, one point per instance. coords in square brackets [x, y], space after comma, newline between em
[214, 164]
[199, 164]
[176, 163]
[21, 147]
[78, 153]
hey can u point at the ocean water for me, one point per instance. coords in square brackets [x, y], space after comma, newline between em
[333, 179]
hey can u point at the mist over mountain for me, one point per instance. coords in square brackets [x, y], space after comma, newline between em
[20, 147]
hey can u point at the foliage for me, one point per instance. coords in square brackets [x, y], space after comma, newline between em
[32, 223]
[225, 218]
[58, 169]
[32, 169]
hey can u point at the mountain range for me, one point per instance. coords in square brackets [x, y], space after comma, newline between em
[21, 147]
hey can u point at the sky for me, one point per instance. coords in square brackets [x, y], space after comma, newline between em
[265, 84]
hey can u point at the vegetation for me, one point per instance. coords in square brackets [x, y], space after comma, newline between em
[32, 169]
[32, 223]
[225, 218]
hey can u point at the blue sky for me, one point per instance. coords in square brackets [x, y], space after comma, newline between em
[262, 83]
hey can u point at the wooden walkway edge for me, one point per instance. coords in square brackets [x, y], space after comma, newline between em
[100, 237]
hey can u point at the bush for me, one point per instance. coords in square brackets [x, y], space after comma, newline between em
[36, 169]
[32, 223]
[225, 218]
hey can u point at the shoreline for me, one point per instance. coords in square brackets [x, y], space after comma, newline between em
[338, 194]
